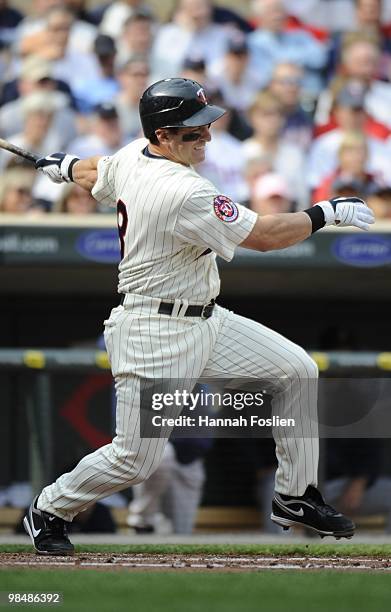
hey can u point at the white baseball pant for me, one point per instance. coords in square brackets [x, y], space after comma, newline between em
[144, 345]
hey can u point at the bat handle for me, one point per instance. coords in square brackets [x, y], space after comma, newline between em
[31, 157]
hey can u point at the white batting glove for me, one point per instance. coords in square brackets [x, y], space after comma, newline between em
[58, 167]
[347, 211]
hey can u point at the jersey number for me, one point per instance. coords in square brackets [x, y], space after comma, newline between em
[122, 222]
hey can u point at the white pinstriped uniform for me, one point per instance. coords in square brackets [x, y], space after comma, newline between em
[172, 237]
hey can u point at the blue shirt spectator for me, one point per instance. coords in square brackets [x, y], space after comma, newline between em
[272, 43]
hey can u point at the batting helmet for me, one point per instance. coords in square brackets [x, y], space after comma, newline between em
[176, 102]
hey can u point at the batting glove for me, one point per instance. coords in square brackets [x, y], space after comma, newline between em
[347, 211]
[58, 167]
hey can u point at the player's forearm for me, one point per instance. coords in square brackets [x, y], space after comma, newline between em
[84, 172]
[279, 231]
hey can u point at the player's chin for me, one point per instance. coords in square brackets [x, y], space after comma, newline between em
[198, 155]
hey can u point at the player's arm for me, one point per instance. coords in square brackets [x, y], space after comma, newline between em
[64, 168]
[278, 231]
[283, 230]
[85, 172]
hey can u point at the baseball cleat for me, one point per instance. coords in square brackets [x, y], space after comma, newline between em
[47, 532]
[311, 511]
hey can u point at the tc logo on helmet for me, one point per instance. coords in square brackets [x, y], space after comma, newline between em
[225, 209]
[202, 96]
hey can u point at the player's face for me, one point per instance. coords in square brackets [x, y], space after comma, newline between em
[187, 146]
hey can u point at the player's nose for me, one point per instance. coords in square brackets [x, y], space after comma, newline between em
[206, 133]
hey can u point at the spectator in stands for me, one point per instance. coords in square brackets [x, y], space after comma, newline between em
[191, 33]
[355, 482]
[97, 90]
[36, 77]
[53, 42]
[360, 61]
[380, 202]
[75, 201]
[351, 172]
[133, 79]
[267, 120]
[136, 38]
[36, 16]
[43, 34]
[351, 93]
[224, 159]
[367, 21]
[270, 195]
[195, 68]
[255, 168]
[349, 114]
[9, 20]
[286, 84]
[116, 14]
[105, 136]
[16, 192]
[34, 73]
[40, 133]
[273, 43]
[233, 75]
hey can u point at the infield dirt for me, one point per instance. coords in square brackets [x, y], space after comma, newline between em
[193, 562]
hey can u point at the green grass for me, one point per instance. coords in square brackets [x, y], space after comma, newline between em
[315, 550]
[270, 591]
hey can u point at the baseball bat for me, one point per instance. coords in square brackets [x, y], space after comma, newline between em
[4, 144]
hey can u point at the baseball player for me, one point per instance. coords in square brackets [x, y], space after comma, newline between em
[172, 224]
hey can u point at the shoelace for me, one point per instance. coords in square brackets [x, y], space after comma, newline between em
[55, 527]
[319, 503]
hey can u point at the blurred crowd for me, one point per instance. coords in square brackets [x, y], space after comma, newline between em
[307, 85]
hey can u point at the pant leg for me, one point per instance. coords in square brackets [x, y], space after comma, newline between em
[248, 349]
[140, 348]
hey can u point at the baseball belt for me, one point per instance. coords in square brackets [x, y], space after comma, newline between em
[192, 310]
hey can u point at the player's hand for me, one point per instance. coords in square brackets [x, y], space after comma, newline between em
[58, 167]
[345, 211]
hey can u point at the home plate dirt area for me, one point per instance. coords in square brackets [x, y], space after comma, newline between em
[195, 562]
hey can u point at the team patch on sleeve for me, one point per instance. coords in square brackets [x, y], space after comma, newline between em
[225, 209]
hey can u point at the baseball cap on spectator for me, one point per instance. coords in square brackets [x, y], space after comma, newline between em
[106, 110]
[34, 68]
[39, 101]
[355, 186]
[194, 63]
[104, 45]
[352, 96]
[271, 184]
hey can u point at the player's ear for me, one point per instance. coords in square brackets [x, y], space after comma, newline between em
[162, 135]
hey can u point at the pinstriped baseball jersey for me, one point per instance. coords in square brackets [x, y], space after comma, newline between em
[172, 223]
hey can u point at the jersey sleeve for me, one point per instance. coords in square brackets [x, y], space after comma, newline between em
[212, 220]
[104, 189]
